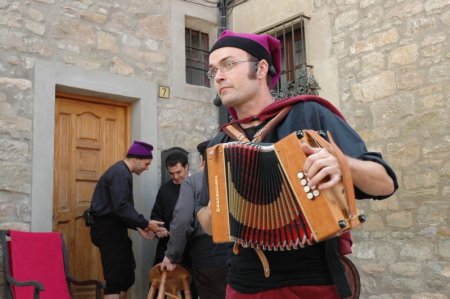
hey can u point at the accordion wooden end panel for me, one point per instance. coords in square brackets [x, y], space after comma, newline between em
[259, 195]
[218, 195]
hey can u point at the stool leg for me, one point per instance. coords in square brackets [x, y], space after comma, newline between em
[171, 290]
[152, 291]
[162, 285]
[187, 289]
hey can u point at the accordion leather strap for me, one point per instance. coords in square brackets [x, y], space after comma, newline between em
[235, 133]
[346, 175]
[262, 257]
[264, 261]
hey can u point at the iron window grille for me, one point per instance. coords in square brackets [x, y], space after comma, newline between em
[197, 51]
[296, 74]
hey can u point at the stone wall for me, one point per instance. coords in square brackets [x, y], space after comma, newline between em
[393, 59]
[129, 38]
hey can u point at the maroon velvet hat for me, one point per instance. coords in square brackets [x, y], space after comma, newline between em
[261, 46]
[140, 150]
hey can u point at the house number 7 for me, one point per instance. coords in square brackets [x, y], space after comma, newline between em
[164, 92]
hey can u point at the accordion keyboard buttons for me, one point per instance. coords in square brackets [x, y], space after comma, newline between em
[310, 193]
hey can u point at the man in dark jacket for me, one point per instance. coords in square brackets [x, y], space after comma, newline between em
[112, 207]
[208, 260]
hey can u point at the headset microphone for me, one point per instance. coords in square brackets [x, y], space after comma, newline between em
[217, 101]
[272, 70]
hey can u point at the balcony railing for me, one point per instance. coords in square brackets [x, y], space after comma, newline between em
[296, 75]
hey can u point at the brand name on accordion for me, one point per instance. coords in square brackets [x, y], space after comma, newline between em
[216, 189]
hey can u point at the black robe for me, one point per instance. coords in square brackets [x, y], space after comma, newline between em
[165, 202]
[114, 195]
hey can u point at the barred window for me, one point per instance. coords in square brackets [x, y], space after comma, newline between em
[197, 44]
[296, 75]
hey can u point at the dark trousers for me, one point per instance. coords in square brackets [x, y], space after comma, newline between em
[111, 237]
[211, 282]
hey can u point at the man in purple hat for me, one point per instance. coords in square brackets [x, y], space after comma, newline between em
[112, 208]
[244, 68]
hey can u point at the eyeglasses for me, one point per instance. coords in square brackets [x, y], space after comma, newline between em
[224, 66]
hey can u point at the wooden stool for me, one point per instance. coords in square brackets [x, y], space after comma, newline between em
[169, 283]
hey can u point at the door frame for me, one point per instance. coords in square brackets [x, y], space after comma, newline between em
[76, 235]
[50, 77]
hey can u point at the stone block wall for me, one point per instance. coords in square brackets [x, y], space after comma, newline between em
[128, 38]
[393, 59]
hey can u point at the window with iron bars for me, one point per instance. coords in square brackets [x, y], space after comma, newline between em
[197, 51]
[296, 75]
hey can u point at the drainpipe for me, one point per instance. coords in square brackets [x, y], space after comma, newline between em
[223, 112]
[222, 15]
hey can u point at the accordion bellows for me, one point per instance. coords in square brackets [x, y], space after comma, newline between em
[259, 195]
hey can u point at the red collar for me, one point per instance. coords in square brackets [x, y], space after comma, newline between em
[273, 109]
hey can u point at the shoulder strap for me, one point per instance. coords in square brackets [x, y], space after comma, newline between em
[259, 136]
[236, 133]
[336, 267]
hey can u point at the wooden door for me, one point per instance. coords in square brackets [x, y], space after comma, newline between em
[90, 136]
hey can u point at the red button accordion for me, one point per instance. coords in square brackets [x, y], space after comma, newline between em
[259, 195]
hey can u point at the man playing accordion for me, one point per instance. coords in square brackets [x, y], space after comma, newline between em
[244, 68]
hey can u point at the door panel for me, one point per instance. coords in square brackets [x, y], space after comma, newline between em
[89, 137]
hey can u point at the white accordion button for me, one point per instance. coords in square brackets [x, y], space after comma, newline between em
[316, 193]
[310, 195]
[300, 175]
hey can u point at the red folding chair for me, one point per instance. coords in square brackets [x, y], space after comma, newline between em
[35, 266]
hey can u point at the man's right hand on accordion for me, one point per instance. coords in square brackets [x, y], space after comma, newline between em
[321, 167]
[323, 170]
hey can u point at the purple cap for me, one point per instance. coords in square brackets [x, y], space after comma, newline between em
[140, 150]
[261, 46]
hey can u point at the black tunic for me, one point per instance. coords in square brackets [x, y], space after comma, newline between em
[114, 195]
[113, 209]
[306, 266]
[165, 202]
